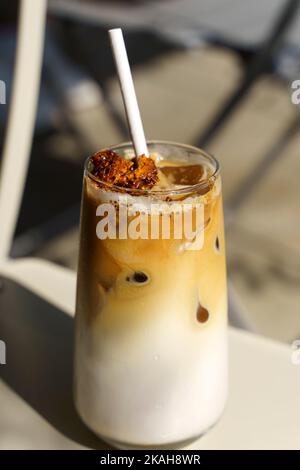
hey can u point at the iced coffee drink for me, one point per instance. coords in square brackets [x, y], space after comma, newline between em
[151, 315]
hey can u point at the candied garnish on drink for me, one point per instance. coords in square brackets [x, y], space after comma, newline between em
[111, 168]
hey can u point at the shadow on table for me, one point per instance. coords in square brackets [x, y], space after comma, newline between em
[39, 344]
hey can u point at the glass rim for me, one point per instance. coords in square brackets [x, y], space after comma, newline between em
[163, 192]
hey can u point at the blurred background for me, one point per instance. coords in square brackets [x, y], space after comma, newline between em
[213, 73]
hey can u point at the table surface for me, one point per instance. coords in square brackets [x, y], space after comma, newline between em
[239, 21]
[263, 409]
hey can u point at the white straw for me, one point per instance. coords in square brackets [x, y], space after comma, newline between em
[128, 92]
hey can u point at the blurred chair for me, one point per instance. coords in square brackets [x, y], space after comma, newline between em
[167, 29]
[258, 61]
[262, 40]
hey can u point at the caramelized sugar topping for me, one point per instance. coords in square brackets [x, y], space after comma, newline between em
[111, 168]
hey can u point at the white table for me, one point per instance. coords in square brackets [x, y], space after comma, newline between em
[263, 410]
